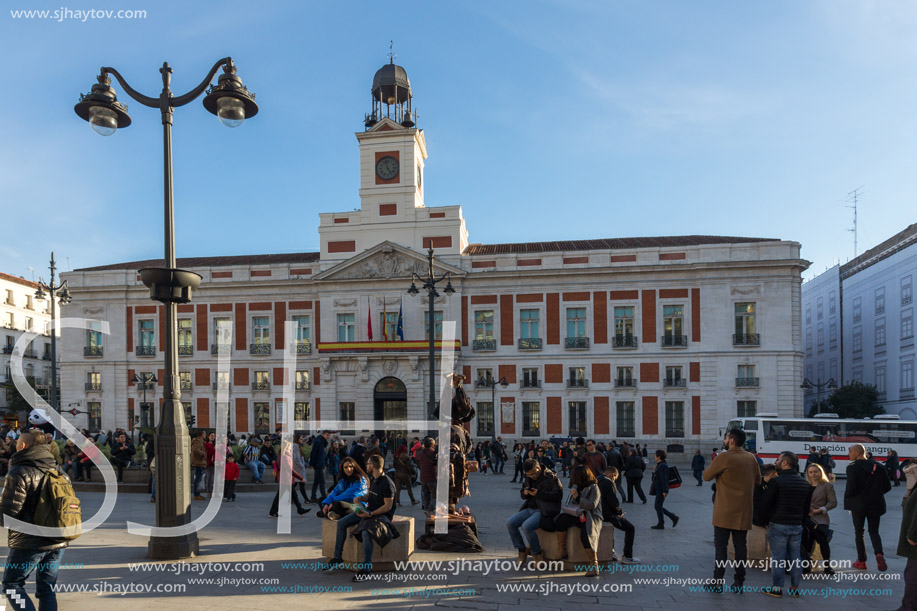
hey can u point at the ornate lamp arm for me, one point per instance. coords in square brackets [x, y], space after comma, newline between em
[143, 99]
[191, 95]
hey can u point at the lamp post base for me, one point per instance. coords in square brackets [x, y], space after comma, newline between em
[173, 548]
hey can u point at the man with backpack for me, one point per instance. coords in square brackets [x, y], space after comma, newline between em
[31, 488]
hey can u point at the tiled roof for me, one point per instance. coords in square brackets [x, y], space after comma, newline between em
[606, 244]
[192, 262]
[18, 280]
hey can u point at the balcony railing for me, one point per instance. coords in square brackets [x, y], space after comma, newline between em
[260, 349]
[529, 343]
[186, 385]
[674, 432]
[530, 383]
[145, 351]
[747, 382]
[675, 383]
[906, 300]
[30, 354]
[624, 383]
[46, 357]
[185, 350]
[483, 382]
[92, 351]
[484, 344]
[7, 350]
[146, 386]
[577, 343]
[624, 341]
[220, 349]
[94, 386]
[746, 339]
[303, 386]
[577, 383]
[222, 386]
[261, 385]
[674, 341]
[303, 346]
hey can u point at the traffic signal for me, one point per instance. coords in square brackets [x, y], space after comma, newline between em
[191, 420]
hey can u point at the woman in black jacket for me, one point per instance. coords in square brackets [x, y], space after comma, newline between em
[633, 473]
[660, 488]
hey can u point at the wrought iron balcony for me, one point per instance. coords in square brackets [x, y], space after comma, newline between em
[622, 432]
[530, 383]
[46, 357]
[674, 341]
[906, 300]
[624, 341]
[674, 432]
[261, 385]
[625, 383]
[222, 386]
[145, 351]
[92, 351]
[29, 353]
[303, 386]
[185, 350]
[484, 345]
[483, 382]
[675, 383]
[94, 386]
[577, 343]
[529, 343]
[260, 349]
[7, 350]
[303, 346]
[747, 382]
[220, 349]
[577, 383]
[746, 339]
[186, 385]
[146, 385]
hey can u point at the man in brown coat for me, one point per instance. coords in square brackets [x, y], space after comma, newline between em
[737, 474]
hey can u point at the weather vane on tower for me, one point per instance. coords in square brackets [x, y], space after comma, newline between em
[391, 52]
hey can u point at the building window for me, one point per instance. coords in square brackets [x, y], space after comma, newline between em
[674, 419]
[673, 326]
[833, 369]
[529, 331]
[185, 342]
[576, 322]
[278, 412]
[95, 416]
[484, 330]
[746, 409]
[530, 377]
[832, 303]
[907, 375]
[577, 377]
[746, 376]
[346, 328]
[906, 291]
[302, 334]
[624, 327]
[809, 341]
[261, 331]
[820, 333]
[880, 332]
[673, 376]
[577, 419]
[302, 380]
[857, 338]
[907, 323]
[348, 411]
[262, 381]
[262, 418]
[808, 313]
[485, 378]
[184, 380]
[625, 418]
[832, 331]
[388, 323]
[819, 309]
[9, 298]
[29, 323]
[857, 310]
[880, 300]
[94, 339]
[147, 336]
[300, 414]
[222, 336]
[531, 419]
[222, 381]
[437, 325]
[10, 321]
[94, 381]
[625, 377]
[880, 378]
[745, 319]
[485, 418]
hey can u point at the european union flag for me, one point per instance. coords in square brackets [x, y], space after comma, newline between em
[400, 330]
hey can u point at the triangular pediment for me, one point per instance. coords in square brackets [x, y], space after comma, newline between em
[385, 124]
[386, 260]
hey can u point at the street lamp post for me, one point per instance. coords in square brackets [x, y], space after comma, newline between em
[146, 380]
[232, 103]
[62, 293]
[493, 383]
[807, 384]
[429, 284]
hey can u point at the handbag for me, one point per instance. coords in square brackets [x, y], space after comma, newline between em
[674, 477]
[571, 507]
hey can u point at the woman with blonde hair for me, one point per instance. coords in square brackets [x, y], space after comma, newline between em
[816, 528]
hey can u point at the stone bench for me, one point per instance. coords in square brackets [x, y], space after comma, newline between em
[575, 553]
[384, 559]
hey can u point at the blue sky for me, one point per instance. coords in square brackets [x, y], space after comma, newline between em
[544, 119]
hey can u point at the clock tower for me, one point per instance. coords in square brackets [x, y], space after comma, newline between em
[393, 152]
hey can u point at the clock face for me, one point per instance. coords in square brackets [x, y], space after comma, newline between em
[387, 168]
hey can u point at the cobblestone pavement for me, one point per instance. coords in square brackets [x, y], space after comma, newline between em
[243, 533]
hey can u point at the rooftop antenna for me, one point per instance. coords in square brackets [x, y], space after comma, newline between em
[391, 52]
[32, 271]
[854, 196]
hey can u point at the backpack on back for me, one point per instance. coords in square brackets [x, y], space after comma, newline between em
[58, 506]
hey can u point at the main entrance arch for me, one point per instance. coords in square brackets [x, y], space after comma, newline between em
[390, 404]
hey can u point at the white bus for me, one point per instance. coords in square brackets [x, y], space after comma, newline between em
[770, 435]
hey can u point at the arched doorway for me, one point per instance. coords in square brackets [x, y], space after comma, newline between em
[390, 404]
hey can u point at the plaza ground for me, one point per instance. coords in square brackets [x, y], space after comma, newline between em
[242, 532]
